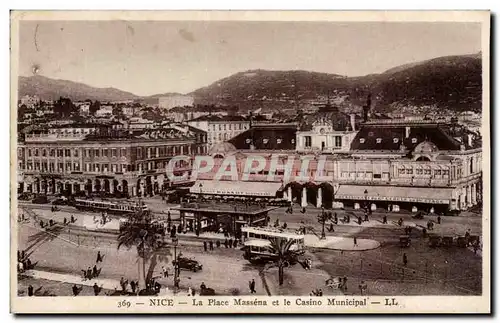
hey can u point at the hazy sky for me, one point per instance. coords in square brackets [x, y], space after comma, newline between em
[155, 57]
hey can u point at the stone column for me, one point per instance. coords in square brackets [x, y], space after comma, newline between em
[111, 186]
[289, 190]
[474, 194]
[303, 201]
[469, 196]
[319, 197]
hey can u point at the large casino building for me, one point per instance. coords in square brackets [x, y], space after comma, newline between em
[378, 163]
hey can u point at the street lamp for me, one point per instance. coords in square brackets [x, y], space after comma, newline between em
[323, 220]
[175, 242]
[366, 200]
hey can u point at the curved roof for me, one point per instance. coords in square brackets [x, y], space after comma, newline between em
[222, 148]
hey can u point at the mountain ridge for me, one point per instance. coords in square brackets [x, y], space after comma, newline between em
[452, 82]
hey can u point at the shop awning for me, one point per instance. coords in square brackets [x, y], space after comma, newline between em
[430, 195]
[236, 188]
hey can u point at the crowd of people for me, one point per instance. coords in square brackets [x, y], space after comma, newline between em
[23, 261]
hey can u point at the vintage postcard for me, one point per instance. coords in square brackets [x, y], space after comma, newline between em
[250, 162]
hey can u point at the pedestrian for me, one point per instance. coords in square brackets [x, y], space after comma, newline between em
[400, 221]
[23, 254]
[355, 241]
[439, 219]
[96, 289]
[30, 290]
[405, 259]
[18, 255]
[366, 217]
[225, 243]
[65, 221]
[94, 271]
[359, 220]
[190, 292]
[75, 290]
[122, 283]
[331, 228]
[475, 247]
[344, 284]
[205, 245]
[384, 221]
[217, 243]
[193, 292]
[51, 222]
[89, 273]
[235, 243]
[165, 271]
[230, 242]
[73, 220]
[211, 245]
[285, 225]
[132, 286]
[424, 232]
[41, 224]
[320, 292]
[99, 257]
[203, 286]
[251, 284]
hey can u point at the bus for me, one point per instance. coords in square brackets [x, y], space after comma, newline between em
[256, 241]
[120, 207]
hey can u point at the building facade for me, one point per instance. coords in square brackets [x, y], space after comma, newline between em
[169, 102]
[94, 159]
[220, 128]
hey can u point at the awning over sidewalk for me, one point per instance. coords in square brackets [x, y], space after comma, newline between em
[395, 193]
[236, 188]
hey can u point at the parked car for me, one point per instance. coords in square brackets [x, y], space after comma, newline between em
[60, 201]
[40, 199]
[189, 264]
[26, 196]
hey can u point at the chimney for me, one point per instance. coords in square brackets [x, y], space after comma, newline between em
[353, 122]
[407, 132]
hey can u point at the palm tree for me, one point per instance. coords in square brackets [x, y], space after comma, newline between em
[141, 231]
[285, 255]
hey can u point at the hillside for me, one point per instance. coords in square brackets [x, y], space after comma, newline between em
[51, 89]
[445, 83]
[451, 82]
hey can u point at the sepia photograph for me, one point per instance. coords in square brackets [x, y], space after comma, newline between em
[241, 162]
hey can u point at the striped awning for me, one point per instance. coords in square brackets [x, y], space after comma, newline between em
[236, 188]
[430, 195]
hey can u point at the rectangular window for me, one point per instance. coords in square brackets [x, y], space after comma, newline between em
[44, 153]
[29, 152]
[338, 141]
[96, 152]
[60, 167]
[87, 152]
[75, 153]
[52, 153]
[68, 167]
[36, 152]
[420, 171]
[105, 152]
[402, 171]
[76, 167]
[113, 152]
[307, 141]
[87, 167]
[378, 176]
[229, 126]
[409, 171]
[427, 172]
[220, 127]
[67, 152]
[113, 168]
[437, 172]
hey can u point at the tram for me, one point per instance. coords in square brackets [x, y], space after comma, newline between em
[256, 241]
[109, 206]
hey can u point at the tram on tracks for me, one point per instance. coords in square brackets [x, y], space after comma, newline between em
[119, 207]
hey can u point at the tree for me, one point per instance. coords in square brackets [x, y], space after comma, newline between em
[285, 255]
[140, 230]
[94, 106]
[64, 107]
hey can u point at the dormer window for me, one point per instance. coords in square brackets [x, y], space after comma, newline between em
[361, 140]
[413, 140]
[395, 140]
[379, 140]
